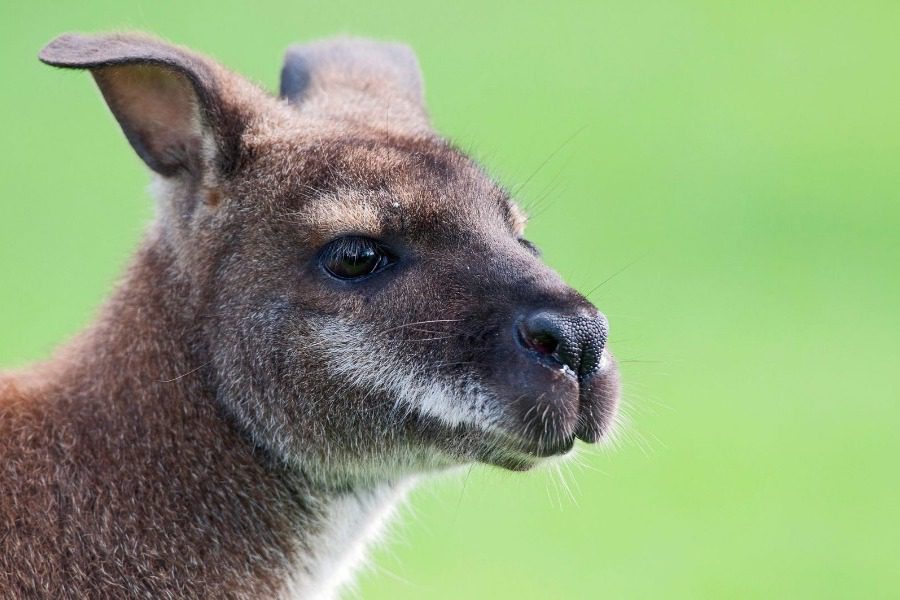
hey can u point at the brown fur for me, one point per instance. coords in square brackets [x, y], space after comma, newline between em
[194, 440]
[116, 485]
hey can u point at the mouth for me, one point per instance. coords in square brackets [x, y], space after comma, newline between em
[550, 426]
[542, 422]
[598, 401]
[517, 453]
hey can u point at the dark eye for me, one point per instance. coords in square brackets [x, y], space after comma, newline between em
[355, 257]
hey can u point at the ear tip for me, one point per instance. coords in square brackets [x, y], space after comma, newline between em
[77, 50]
[63, 50]
[349, 50]
[376, 67]
[349, 43]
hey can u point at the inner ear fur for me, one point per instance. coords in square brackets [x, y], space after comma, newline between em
[166, 99]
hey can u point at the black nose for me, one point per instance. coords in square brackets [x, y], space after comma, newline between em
[574, 341]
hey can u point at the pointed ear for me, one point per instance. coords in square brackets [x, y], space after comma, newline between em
[167, 99]
[378, 74]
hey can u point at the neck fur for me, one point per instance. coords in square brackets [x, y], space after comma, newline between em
[147, 466]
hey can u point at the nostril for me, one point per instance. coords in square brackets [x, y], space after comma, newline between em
[541, 342]
[544, 333]
[570, 341]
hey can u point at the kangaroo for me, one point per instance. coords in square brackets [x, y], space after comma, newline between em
[331, 302]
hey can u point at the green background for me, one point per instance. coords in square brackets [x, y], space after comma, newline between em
[740, 163]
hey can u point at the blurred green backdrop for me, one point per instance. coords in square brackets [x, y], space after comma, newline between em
[740, 163]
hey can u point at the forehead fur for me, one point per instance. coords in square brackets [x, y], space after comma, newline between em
[373, 182]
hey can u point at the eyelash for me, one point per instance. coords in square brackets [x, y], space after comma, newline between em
[341, 256]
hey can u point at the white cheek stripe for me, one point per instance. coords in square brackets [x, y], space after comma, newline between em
[351, 352]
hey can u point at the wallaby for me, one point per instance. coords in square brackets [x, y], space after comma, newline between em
[331, 301]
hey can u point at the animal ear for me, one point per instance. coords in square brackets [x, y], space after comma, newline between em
[167, 99]
[358, 73]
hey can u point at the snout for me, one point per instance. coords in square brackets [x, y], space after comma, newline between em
[561, 382]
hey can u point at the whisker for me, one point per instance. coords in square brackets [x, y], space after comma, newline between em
[559, 148]
[616, 274]
[176, 378]
[641, 362]
[390, 329]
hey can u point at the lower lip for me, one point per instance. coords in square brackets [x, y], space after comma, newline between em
[548, 452]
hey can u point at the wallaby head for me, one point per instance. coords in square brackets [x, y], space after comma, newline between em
[362, 298]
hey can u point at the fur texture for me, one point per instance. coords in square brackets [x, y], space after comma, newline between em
[237, 422]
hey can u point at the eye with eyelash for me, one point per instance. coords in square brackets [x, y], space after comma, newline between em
[354, 258]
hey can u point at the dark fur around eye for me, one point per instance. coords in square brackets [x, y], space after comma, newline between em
[354, 258]
[530, 246]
